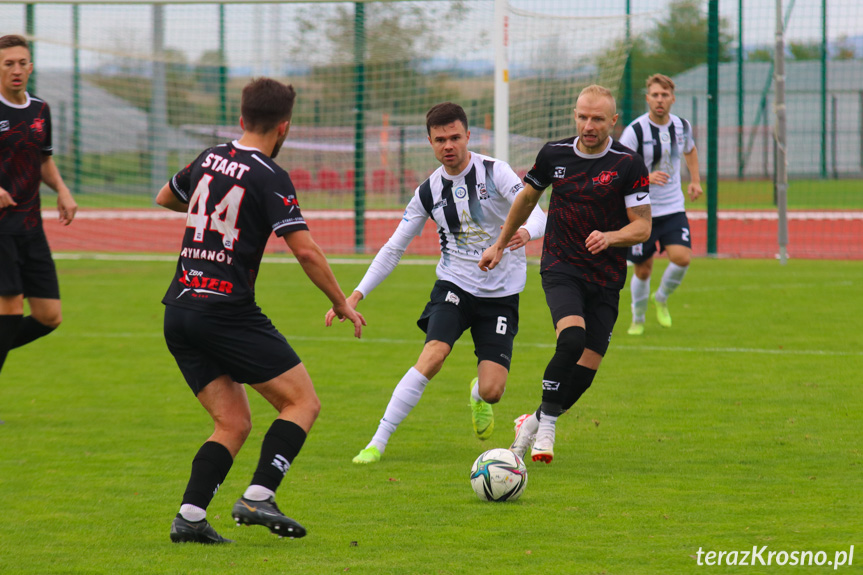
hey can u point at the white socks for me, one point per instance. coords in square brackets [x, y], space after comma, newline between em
[640, 290]
[671, 278]
[474, 393]
[192, 512]
[258, 493]
[546, 425]
[405, 397]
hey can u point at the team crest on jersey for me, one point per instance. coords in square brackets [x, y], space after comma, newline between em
[664, 137]
[460, 192]
[481, 191]
[38, 125]
[560, 172]
[4, 125]
[605, 178]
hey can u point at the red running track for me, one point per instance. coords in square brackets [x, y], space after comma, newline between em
[812, 235]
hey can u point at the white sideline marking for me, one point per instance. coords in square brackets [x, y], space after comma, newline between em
[371, 341]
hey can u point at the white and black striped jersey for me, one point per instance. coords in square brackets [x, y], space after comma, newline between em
[469, 210]
[237, 197]
[661, 147]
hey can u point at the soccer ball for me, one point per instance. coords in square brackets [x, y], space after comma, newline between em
[498, 475]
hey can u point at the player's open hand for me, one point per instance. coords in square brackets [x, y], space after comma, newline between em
[490, 258]
[344, 312]
[596, 242]
[6, 199]
[658, 178]
[348, 311]
[519, 239]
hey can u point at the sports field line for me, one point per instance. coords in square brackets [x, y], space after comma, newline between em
[550, 345]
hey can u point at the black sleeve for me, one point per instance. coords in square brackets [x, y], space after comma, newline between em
[539, 176]
[181, 182]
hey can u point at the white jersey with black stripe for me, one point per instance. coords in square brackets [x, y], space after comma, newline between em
[469, 210]
[661, 148]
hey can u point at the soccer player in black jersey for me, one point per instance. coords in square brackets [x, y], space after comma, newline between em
[26, 266]
[599, 206]
[236, 196]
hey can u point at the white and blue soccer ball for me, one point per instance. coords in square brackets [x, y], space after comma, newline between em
[498, 475]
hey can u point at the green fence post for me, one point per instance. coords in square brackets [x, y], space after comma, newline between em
[359, 128]
[712, 124]
[30, 28]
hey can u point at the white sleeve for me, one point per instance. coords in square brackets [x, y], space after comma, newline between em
[390, 254]
[689, 144]
[535, 224]
[510, 185]
[628, 138]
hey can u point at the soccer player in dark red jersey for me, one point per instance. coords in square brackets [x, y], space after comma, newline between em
[26, 266]
[599, 206]
[235, 196]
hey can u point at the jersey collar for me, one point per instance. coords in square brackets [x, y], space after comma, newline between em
[581, 154]
[236, 144]
[17, 106]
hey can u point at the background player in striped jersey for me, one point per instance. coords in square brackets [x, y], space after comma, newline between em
[660, 137]
[236, 197]
[26, 267]
[468, 198]
[599, 206]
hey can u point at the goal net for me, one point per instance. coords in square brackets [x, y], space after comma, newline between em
[137, 91]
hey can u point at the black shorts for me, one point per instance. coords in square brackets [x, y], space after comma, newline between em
[568, 295]
[493, 322]
[670, 230]
[246, 346]
[26, 266]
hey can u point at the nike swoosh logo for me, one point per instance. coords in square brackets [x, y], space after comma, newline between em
[639, 198]
[246, 505]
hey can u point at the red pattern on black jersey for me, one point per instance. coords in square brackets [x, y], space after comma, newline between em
[587, 194]
[25, 140]
[247, 198]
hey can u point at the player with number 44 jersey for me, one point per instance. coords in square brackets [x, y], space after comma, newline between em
[234, 196]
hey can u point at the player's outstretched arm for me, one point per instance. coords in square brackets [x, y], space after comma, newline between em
[167, 199]
[521, 208]
[313, 261]
[66, 205]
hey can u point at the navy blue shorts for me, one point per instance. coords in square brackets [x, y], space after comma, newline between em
[246, 346]
[568, 295]
[27, 267]
[493, 322]
[670, 230]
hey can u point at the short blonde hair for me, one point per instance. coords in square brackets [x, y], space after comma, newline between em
[600, 91]
[662, 80]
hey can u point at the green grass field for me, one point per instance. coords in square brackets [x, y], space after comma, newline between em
[738, 427]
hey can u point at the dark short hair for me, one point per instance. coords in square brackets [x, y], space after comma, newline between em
[12, 41]
[265, 104]
[444, 114]
[662, 80]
